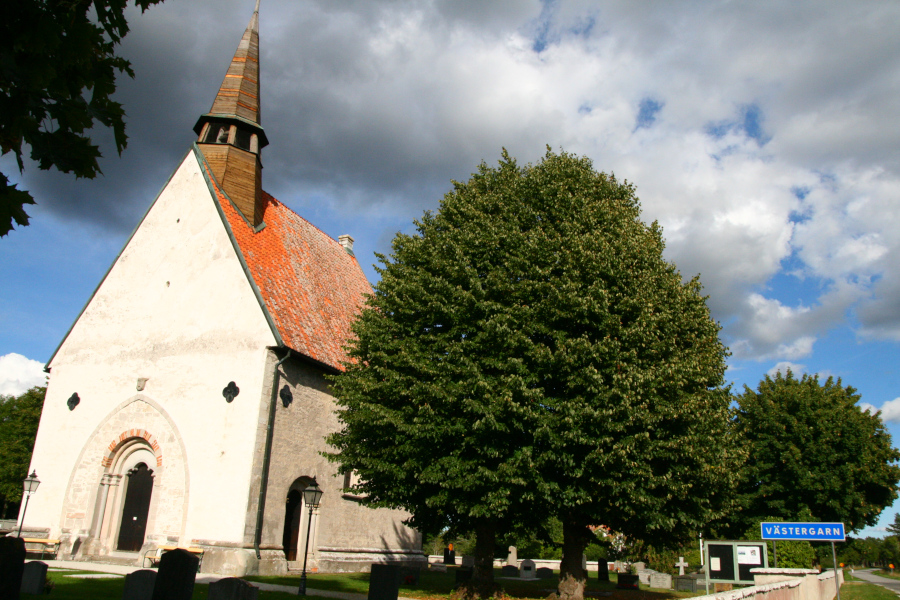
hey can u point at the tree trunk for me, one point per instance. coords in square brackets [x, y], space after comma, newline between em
[572, 576]
[483, 573]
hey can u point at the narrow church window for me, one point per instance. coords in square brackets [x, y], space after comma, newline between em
[217, 134]
[242, 139]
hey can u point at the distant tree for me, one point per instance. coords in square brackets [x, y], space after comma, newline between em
[813, 454]
[57, 76]
[529, 349]
[894, 527]
[19, 418]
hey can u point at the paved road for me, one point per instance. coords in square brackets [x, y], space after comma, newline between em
[867, 575]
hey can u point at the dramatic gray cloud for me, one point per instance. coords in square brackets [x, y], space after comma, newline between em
[760, 135]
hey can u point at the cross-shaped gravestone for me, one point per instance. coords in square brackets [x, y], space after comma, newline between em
[681, 565]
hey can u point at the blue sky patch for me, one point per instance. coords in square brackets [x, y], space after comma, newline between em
[647, 111]
[748, 121]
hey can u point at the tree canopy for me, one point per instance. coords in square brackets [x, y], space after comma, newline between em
[19, 418]
[813, 454]
[57, 76]
[529, 351]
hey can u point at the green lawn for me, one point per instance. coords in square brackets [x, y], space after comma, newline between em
[858, 590]
[895, 574]
[432, 585]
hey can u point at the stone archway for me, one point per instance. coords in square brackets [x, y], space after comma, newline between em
[138, 431]
[297, 522]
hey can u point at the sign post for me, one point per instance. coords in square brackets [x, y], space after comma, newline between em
[812, 532]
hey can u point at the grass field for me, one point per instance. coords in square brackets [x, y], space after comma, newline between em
[432, 586]
[858, 590]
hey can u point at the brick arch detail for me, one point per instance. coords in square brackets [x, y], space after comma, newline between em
[131, 434]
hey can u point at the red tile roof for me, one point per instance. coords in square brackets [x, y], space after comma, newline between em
[313, 288]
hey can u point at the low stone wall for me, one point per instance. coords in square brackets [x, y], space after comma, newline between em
[538, 563]
[785, 584]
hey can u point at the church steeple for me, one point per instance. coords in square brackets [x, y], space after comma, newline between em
[231, 133]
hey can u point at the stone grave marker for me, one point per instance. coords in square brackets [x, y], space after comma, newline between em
[662, 581]
[34, 578]
[644, 576]
[509, 571]
[449, 556]
[384, 582]
[12, 563]
[602, 570]
[438, 567]
[139, 585]
[513, 557]
[584, 561]
[544, 573]
[464, 574]
[232, 588]
[681, 564]
[619, 566]
[627, 581]
[176, 575]
[639, 566]
[526, 569]
[467, 561]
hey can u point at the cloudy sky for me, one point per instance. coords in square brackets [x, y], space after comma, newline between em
[761, 135]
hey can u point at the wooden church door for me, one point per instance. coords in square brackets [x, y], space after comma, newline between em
[135, 508]
[293, 516]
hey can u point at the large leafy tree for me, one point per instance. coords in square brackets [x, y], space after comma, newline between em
[58, 72]
[813, 454]
[19, 418]
[529, 353]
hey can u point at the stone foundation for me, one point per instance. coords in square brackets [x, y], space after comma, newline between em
[359, 560]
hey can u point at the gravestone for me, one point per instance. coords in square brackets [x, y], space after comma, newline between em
[544, 573]
[602, 570]
[176, 575]
[689, 583]
[513, 557]
[467, 561]
[661, 581]
[584, 561]
[383, 582]
[438, 567]
[139, 585]
[619, 566]
[449, 556]
[627, 581]
[12, 563]
[463, 574]
[644, 576]
[639, 566]
[526, 569]
[681, 564]
[34, 578]
[232, 588]
[509, 571]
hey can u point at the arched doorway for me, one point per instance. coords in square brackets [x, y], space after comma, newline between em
[293, 516]
[296, 522]
[135, 508]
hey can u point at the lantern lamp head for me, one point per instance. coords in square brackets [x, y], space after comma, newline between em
[312, 495]
[31, 483]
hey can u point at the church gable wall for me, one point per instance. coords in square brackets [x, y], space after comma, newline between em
[176, 319]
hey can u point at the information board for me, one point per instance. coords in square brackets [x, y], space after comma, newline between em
[730, 562]
[821, 532]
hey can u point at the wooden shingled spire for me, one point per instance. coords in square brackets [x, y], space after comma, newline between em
[231, 133]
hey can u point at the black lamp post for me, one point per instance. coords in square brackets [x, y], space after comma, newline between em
[30, 485]
[311, 495]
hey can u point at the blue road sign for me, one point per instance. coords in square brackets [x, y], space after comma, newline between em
[821, 532]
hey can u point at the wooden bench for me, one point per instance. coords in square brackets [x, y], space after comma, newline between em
[46, 546]
[154, 556]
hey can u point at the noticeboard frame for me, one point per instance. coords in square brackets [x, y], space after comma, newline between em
[735, 565]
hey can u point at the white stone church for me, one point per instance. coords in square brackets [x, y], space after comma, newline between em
[187, 406]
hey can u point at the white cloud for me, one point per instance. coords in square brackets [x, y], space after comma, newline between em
[890, 410]
[783, 367]
[18, 374]
[869, 408]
